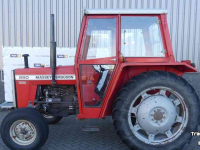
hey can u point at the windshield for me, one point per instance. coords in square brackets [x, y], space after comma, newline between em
[100, 39]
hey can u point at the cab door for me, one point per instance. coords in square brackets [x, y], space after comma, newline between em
[97, 61]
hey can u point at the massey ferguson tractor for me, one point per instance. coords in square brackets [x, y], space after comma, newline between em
[124, 68]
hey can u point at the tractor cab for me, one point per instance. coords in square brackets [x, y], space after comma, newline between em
[110, 39]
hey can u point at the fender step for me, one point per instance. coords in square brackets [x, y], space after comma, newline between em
[90, 128]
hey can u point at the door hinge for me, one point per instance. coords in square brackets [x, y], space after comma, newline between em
[158, 22]
[164, 51]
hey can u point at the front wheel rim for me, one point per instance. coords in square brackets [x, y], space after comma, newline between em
[159, 128]
[23, 132]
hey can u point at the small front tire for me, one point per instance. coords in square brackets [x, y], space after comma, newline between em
[24, 129]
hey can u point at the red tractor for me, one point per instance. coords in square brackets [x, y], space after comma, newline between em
[124, 68]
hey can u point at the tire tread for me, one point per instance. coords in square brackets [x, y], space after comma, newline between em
[136, 82]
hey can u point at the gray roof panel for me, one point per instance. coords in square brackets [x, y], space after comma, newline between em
[125, 11]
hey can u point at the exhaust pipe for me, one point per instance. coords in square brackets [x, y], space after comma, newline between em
[25, 60]
[52, 50]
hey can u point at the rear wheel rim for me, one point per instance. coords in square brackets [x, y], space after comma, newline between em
[23, 132]
[165, 117]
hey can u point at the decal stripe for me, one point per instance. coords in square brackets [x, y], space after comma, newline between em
[46, 77]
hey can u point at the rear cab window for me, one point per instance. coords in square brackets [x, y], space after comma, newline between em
[141, 37]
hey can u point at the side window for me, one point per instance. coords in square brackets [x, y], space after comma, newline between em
[100, 39]
[141, 37]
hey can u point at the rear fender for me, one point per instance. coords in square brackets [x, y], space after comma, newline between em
[127, 71]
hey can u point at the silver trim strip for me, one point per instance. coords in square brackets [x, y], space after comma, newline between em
[46, 77]
[125, 11]
[13, 89]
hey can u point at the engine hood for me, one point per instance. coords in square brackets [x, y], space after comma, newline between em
[45, 73]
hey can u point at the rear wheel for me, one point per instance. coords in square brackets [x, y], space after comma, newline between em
[156, 110]
[24, 129]
[52, 119]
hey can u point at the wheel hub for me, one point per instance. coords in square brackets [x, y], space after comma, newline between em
[23, 132]
[156, 114]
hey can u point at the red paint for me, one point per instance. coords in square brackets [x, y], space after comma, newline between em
[187, 61]
[122, 73]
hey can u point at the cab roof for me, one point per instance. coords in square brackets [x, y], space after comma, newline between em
[125, 11]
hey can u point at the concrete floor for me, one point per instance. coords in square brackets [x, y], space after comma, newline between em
[67, 135]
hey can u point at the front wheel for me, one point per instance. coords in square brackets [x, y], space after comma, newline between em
[156, 110]
[24, 129]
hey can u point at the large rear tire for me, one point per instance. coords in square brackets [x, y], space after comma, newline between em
[24, 129]
[156, 110]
